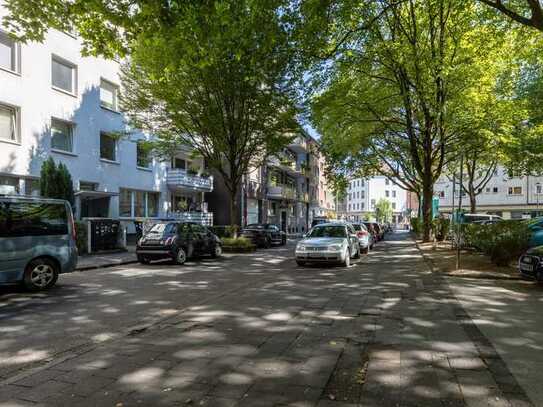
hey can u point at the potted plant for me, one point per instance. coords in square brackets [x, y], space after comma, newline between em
[205, 174]
[192, 171]
[182, 205]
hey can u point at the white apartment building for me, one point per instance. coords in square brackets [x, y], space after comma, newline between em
[363, 195]
[55, 102]
[506, 195]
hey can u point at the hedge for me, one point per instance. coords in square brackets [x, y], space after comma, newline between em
[503, 241]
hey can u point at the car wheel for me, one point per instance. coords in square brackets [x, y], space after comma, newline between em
[267, 243]
[142, 259]
[181, 256]
[40, 274]
[357, 254]
[300, 263]
[347, 260]
[366, 250]
[217, 251]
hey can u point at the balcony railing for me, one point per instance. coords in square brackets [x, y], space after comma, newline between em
[203, 218]
[281, 192]
[299, 144]
[178, 179]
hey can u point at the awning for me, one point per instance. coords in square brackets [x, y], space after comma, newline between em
[90, 195]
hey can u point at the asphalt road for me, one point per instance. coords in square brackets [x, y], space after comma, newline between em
[256, 330]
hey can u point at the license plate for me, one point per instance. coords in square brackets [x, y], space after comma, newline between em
[315, 255]
[526, 267]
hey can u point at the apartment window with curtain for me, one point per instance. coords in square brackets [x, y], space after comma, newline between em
[109, 95]
[125, 203]
[515, 191]
[139, 204]
[64, 75]
[62, 135]
[9, 123]
[9, 53]
[9, 185]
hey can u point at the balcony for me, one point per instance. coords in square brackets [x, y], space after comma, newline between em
[181, 180]
[203, 218]
[299, 145]
[303, 197]
[289, 165]
[281, 192]
[254, 189]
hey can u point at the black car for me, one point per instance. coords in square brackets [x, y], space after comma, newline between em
[177, 241]
[530, 264]
[264, 234]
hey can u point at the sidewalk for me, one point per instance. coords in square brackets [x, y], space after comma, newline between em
[101, 260]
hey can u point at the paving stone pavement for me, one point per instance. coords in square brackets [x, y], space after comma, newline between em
[384, 332]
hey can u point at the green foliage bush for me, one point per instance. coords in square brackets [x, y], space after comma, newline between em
[224, 231]
[81, 237]
[416, 226]
[441, 228]
[503, 241]
[56, 181]
[238, 244]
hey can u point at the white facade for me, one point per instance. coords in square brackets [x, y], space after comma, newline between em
[505, 195]
[363, 195]
[55, 102]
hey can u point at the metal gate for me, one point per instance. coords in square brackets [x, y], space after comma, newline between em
[104, 234]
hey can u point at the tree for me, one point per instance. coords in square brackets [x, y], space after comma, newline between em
[384, 110]
[212, 75]
[526, 12]
[56, 181]
[383, 210]
[229, 100]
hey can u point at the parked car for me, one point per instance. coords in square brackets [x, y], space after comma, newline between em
[328, 242]
[318, 221]
[530, 264]
[373, 232]
[264, 234]
[536, 227]
[177, 241]
[379, 230]
[37, 241]
[479, 218]
[364, 237]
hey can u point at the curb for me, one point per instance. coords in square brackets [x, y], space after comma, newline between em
[103, 266]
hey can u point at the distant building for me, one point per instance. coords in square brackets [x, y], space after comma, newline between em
[363, 195]
[507, 195]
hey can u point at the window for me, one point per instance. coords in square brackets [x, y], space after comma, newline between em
[108, 147]
[495, 190]
[393, 194]
[393, 205]
[88, 186]
[538, 189]
[387, 181]
[515, 191]
[9, 53]
[61, 135]
[362, 206]
[142, 156]
[109, 95]
[32, 219]
[372, 203]
[442, 194]
[9, 185]
[8, 123]
[64, 75]
[357, 194]
[387, 193]
[152, 204]
[138, 203]
[32, 187]
[349, 207]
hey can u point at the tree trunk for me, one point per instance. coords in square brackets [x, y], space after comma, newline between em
[233, 211]
[427, 197]
[472, 202]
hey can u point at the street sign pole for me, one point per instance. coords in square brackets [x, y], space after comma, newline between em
[458, 223]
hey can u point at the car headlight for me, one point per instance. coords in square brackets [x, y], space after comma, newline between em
[335, 247]
[300, 247]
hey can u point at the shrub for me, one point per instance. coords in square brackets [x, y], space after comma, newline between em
[223, 231]
[81, 237]
[503, 241]
[416, 226]
[237, 244]
[441, 228]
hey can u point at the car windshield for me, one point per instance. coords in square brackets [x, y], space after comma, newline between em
[162, 228]
[328, 231]
[255, 226]
[357, 227]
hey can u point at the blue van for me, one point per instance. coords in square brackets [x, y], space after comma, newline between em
[37, 241]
